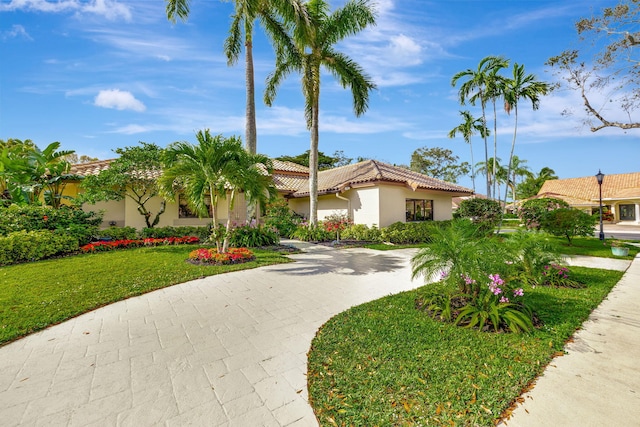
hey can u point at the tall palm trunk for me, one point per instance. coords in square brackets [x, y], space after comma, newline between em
[486, 153]
[513, 146]
[495, 150]
[313, 157]
[251, 139]
[251, 134]
[473, 168]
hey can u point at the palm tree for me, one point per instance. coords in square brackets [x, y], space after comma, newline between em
[307, 52]
[491, 168]
[246, 13]
[251, 174]
[479, 86]
[521, 86]
[496, 89]
[201, 173]
[516, 169]
[467, 129]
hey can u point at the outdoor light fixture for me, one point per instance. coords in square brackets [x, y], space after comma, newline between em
[600, 177]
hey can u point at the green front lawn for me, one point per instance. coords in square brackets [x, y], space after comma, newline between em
[36, 295]
[386, 363]
[592, 246]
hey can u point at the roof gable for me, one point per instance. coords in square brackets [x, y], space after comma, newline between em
[373, 171]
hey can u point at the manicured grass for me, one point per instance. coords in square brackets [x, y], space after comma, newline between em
[36, 295]
[592, 247]
[386, 363]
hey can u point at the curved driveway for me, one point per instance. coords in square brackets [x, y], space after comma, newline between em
[226, 350]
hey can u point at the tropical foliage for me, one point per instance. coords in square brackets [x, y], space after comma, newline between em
[469, 127]
[486, 85]
[29, 175]
[306, 52]
[214, 169]
[132, 175]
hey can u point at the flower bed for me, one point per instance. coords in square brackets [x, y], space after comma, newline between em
[213, 257]
[128, 243]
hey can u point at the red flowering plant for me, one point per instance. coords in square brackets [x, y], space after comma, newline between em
[337, 222]
[129, 243]
[213, 257]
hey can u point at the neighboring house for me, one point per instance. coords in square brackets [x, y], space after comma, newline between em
[620, 195]
[369, 192]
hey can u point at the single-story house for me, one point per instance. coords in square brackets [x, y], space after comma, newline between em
[370, 192]
[620, 195]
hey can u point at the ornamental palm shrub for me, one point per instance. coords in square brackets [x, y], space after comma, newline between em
[532, 252]
[461, 255]
[459, 250]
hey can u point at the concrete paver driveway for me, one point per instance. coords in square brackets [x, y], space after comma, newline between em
[226, 350]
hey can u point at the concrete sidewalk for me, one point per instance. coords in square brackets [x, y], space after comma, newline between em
[227, 350]
[597, 383]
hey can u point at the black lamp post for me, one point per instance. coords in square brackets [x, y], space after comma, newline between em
[600, 177]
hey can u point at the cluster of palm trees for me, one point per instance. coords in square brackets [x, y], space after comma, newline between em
[215, 168]
[304, 35]
[486, 86]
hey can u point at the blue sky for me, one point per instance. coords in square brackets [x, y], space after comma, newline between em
[101, 74]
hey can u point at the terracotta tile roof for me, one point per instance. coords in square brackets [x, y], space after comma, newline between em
[294, 179]
[373, 171]
[616, 186]
[91, 168]
[282, 166]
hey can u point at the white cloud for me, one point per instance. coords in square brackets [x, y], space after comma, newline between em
[120, 100]
[16, 31]
[110, 9]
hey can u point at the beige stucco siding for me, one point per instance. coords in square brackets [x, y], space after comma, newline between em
[365, 205]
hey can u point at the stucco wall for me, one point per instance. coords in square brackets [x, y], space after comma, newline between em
[365, 205]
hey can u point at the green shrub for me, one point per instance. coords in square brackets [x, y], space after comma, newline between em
[21, 246]
[66, 219]
[362, 232]
[282, 219]
[485, 212]
[568, 222]
[202, 232]
[532, 211]
[248, 236]
[119, 233]
[407, 232]
[313, 233]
